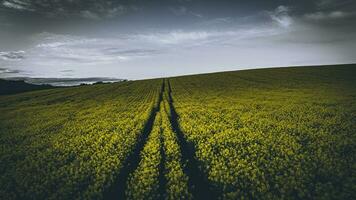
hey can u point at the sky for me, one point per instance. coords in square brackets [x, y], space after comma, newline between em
[139, 39]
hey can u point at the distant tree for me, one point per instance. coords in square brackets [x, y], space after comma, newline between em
[14, 87]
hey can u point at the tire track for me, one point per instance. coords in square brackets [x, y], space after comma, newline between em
[162, 178]
[118, 188]
[199, 185]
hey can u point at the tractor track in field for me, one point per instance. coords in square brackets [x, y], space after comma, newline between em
[199, 185]
[161, 178]
[117, 189]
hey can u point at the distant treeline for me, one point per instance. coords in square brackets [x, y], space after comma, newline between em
[18, 86]
[14, 87]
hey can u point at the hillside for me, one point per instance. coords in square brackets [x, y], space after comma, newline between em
[14, 87]
[287, 133]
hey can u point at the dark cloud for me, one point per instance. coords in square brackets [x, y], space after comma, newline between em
[128, 15]
[89, 9]
[95, 9]
[17, 5]
[12, 55]
[184, 11]
[4, 71]
[334, 4]
[329, 15]
[281, 16]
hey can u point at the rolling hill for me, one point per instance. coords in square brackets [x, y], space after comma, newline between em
[14, 87]
[283, 133]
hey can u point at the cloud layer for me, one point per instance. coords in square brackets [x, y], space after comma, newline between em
[12, 55]
[331, 15]
[145, 39]
[88, 9]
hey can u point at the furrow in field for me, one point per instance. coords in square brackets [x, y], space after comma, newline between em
[198, 182]
[117, 190]
[162, 178]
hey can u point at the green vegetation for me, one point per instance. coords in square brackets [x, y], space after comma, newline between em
[144, 182]
[70, 143]
[161, 149]
[177, 180]
[273, 133]
[285, 133]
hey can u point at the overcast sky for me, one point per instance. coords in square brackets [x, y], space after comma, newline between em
[140, 39]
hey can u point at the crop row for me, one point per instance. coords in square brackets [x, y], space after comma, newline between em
[177, 180]
[70, 143]
[161, 157]
[282, 134]
[144, 182]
